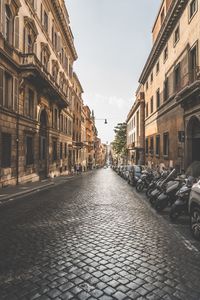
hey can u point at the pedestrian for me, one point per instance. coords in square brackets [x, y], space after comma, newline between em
[80, 168]
[77, 169]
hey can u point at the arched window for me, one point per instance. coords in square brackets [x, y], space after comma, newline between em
[55, 70]
[8, 24]
[45, 55]
[30, 35]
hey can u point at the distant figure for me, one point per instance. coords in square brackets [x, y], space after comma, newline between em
[80, 168]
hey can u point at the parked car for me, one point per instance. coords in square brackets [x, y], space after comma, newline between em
[134, 174]
[194, 210]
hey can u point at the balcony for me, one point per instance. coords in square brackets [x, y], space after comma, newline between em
[33, 69]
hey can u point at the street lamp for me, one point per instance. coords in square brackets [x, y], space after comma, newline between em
[105, 120]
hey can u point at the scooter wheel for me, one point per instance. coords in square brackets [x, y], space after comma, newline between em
[174, 213]
[160, 206]
[139, 187]
[148, 193]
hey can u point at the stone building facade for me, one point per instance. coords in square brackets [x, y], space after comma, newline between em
[171, 81]
[135, 130]
[77, 103]
[37, 84]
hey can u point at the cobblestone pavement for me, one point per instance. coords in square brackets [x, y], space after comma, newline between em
[92, 238]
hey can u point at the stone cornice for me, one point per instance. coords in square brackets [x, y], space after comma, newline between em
[65, 27]
[168, 26]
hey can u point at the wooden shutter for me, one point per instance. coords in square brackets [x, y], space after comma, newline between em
[16, 95]
[1, 85]
[41, 14]
[35, 48]
[35, 4]
[59, 44]
[26, 102]
[2, 17]
[16, 38]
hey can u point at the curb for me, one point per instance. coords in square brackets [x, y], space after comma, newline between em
[12, 197]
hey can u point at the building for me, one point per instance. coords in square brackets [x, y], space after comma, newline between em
[171, 81]
[135, 130]
[36, 86]
[91, 135]
[77, 103]
[100, 153]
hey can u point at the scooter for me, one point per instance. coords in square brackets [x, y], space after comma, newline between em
[180, 207]
[161, 186]
[144, 181]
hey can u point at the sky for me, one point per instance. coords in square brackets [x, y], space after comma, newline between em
[113, 40]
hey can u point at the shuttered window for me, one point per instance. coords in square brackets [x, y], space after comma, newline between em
[29, 150]
[16, 28]
[6, 140]
[1, 85]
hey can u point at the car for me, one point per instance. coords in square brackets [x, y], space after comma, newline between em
[135, 173]
[194, 210]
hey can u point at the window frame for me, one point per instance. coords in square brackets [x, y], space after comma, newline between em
[176, 40]
[189, 9]
[165, 153]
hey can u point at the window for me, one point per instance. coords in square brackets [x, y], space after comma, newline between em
[8, 99]
[8, 24]
[166, 89]
[193, 63]
[55, 71]
[61, 150]
[147, 110]
[165, 54]
[146, 146]
[177, 78]
[65, 150]
[192, 8]
[157, 67]
[151, 103]
[158, 145]
[158, 98]
[29, 150]
[6, 150]
[162, 16]
[151, 77]
[166, 144]
[151, 146]
[54, 150]
[30, 97]
[176, 35]
[55, 119]
[45, 21]
[61, 122]
[45, 54]
[42, 148]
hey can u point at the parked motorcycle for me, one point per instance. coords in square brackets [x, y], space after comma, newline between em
[144, 181]
[180, 207]
[168, 197]
[160, 186]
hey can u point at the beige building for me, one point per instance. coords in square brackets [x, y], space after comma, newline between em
[135, 130]
[36, 85]
[77, 103]
[171, 81]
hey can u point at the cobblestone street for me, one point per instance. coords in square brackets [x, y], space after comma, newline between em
[92, 238]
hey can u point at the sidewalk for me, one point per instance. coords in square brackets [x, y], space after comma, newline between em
[10, 193]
